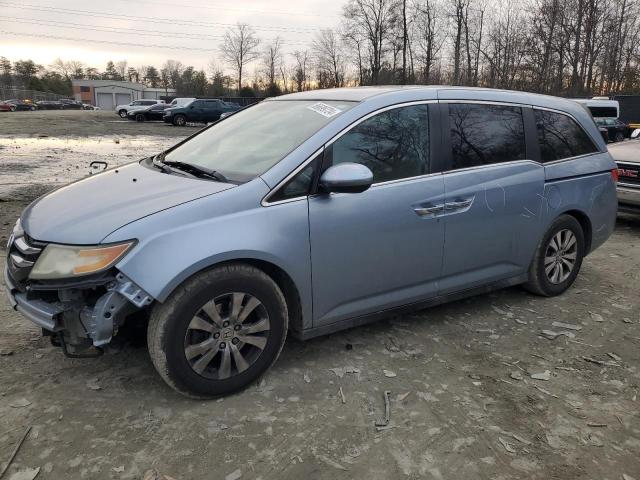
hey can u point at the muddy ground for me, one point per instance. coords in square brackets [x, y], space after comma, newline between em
[463, 402]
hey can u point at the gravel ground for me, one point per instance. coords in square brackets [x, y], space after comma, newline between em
[463, 400]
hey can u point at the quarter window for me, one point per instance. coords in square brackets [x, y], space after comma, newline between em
[485, 134]
[298, 186]
[393, 144]
[561, 137]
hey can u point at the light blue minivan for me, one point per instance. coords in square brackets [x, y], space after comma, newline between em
[313, 212]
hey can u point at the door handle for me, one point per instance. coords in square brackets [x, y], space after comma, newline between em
[430, 211]
[458, 205]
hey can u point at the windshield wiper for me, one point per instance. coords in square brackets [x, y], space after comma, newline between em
[196, 170]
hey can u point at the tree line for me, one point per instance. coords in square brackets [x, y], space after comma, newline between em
[561, 47]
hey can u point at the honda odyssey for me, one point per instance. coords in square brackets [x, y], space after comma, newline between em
[310, 213]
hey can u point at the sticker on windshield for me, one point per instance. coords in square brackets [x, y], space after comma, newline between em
[324, 109]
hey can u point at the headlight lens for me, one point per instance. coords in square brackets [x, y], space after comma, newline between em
[15, 233]
[17, 229]
[62, 261]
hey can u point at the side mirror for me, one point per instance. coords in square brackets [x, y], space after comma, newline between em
[346, 178]
[635, 133]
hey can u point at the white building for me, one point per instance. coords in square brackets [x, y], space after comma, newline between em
[106, 94]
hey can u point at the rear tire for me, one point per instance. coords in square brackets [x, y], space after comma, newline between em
[13, 108]
[619, 137]
[189, 353]
[558, 258]
[179, 120]
[122, 113]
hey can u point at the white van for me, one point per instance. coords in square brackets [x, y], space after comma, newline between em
[180, 102]
[601, 107]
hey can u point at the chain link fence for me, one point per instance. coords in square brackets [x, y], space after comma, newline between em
[10, 92]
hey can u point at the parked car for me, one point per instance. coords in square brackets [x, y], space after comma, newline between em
[154, 112]
[179, 102]
[49, 105]
[122, 110]
[310, 213]
[7, 107]
[616, 129]
[22, 105]
[201, 110]
[627, 157]
[69, 104]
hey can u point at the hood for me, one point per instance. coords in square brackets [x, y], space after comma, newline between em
[85, 212]
[628, 152]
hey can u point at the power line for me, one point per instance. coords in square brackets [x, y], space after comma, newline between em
[232, 9]
[110, 42]
[105, 29]
[121, 30]
[159, 20]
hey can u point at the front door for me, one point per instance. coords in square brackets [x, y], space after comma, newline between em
[493, 196]
[381, 248]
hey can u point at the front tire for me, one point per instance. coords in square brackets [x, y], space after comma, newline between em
[619, 137]
[558, 258]
[179, 120]
[139, 117]
[219, 331]
[122, 113]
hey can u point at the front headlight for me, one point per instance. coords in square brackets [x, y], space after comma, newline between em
[15, 233]
[62, 261]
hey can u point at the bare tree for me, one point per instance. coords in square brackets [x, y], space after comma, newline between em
[272, 61]
[329, 58]
[61, 67]
[300, 75]
[372, 20]
[429, 27]
[239, 48]
[121, 69]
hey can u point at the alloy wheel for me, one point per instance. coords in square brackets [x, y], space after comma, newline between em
[227, 335]
[560, 256]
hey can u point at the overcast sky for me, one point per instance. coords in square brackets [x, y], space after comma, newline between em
[72, 29]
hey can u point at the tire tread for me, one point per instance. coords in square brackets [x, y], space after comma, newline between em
[163, 312]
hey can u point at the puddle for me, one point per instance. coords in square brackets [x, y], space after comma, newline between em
[28, 162]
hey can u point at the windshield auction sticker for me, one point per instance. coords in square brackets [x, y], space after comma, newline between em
[324, 109]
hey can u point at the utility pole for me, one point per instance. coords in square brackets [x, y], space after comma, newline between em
[404, 42]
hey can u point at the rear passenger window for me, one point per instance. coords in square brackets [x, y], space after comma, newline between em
[485, 134]
[392, 144]
[561, 137]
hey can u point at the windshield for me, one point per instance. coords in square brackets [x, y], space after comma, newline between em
[250, 142]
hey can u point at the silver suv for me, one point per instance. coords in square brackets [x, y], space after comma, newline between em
[310, 213]
[122, 110]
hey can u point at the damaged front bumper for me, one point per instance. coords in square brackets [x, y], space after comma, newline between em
[83, 316]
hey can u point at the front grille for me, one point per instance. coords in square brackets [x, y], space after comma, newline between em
[21, 257]
[629, 173]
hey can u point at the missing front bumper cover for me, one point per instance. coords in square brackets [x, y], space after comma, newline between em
[76, 322]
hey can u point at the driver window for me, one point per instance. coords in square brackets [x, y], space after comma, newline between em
[393, 144]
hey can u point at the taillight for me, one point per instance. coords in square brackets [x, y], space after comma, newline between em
[614, 175]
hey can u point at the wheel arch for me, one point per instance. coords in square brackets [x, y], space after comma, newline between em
[276, 272]
[585, 223]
